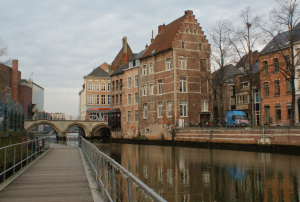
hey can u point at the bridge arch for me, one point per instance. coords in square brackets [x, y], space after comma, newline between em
[43, 122]
[79, 125]
[102, 127]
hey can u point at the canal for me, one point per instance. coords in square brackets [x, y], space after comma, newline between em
[182, 174]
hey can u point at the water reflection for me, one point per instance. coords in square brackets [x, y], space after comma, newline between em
[190, 174]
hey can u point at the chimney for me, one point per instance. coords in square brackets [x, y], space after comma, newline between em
[160, 27]
[125, 54]
[188, 12]
[152, 37]
[146, 46]
[14, 80]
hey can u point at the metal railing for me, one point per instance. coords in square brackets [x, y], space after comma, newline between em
[110, 178]
[13, 157]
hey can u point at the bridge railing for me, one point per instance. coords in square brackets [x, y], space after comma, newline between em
[14, 157]
[68, 117]
[114, 180]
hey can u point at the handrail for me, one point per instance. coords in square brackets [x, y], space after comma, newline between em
[40, 142]
[91, 150]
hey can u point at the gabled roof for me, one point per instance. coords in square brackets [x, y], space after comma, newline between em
[98, 72]
[244, 59]
[281, 41]
[163, 40]
[126, 66]
[229, 72]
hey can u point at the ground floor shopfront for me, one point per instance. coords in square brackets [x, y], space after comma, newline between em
[97, 114]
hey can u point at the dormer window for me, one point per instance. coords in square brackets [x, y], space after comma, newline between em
[137, 63]
[130, 64]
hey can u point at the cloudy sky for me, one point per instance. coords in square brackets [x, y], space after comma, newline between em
[61, 41]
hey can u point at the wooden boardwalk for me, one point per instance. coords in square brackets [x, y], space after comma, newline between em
[57, 176]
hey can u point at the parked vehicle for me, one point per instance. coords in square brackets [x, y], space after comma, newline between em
[236, 118]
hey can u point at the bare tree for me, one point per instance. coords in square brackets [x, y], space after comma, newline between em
[244, 39]
[283, 32]
[220, 60]
[3, 82]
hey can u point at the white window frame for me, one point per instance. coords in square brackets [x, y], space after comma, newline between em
[169, 107]
[182, 85]
[159, 109]
[108, 87]
[97, 99]
[129, 82]
[90, 99]
[145, 111]
[96, 87]
[108, 99]
[204, 106]
[183, 108]
[103, 99]
[102, 79]
[144, 90]
[129, 99]
[90, 86]
[168, 61]
[136, 98]
[130, 64]
[137, 63]
[136, 80]
[90, 79]
[103, 87]
[151, 68]
[128, 116]
[144, 70]
[160, 87]
[136, 115]
[181, 61]
[152, 89]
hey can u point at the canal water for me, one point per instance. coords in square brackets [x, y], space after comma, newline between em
[182, 174]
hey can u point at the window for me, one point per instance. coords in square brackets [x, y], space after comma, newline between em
[129, 99]
[289, 110]
[97, 99]
[204, 106]
[130, 64]
[121, 99]
[195, 31]
[287, 62]
[160, 110]
[120, 84]
[117, 99]
[108, 99]
[277, 87]
[136, 95]
[96, 79]
[151, 68]
[136, 115]
[160, 90]
[117, 84]
[181, 62]
[144, 70]
[168, 64]
[244, 84]
[113, 85]
[90, 79]
[242, 99]
[102, 79]
[108, 87]
[144, 90]
[113, 100]
[151, 89]
[266, 86]
[200, 46]
[182, 84]
[232, 91]
[276, 67]
[182, 45]
[96, 86]
[137, 63]
[288, 85]
[187, 30]
[169, 108]
[265, 66]
[90, 99]
[129, 116]
[90, 87]
[278, 112]
[129, 82]
[183, 108]
[103, 99]
[145, 111]
[102, 86]
[136, 80]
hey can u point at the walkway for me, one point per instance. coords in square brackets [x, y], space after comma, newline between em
[57, 176]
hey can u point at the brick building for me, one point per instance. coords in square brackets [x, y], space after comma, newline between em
[173, 87]
[97, 94]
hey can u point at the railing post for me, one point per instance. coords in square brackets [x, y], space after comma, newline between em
[31, 150]
[27, 153]
[14, 159]
[104, 178]
[4, 176]
[114, 184]
[35, 147]
[130, 197]
[21, 155]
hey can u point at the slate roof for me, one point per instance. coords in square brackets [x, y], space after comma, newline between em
[163, 40]
[98, 72]
[229, 72]
[126, 66]
[280, 41]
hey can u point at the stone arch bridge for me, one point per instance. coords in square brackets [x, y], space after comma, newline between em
[61, 127]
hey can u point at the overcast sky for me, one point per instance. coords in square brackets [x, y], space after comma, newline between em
[61, 41]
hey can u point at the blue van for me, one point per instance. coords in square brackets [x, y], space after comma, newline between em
[236, 118]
